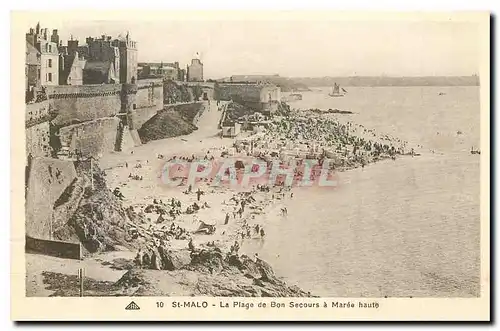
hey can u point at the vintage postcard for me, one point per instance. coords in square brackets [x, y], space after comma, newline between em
[250, 166]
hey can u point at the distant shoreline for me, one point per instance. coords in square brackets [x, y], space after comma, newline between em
[388, 81]
[315, 88]
[305, 83]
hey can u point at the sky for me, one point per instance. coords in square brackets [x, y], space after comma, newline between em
[298, 48]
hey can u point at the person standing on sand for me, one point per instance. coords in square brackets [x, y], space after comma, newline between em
[146, 260]
[226, 221]
[155, 261]
[138, 259]
[191, 245]
[236, 247]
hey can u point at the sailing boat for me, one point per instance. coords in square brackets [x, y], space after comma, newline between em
[336, 91]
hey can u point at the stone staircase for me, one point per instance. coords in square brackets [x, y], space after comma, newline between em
[119, 138]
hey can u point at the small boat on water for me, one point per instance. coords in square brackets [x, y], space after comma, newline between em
[441, 93]
[336, 91]
[472, 151]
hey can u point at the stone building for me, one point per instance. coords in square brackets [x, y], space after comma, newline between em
[47, 45]
[32, 67]
[263, 97]
[99, 72]
[128, 58]
[71, 68]
[195, 71]
[159, 70]
[182, 75]
[102, 60]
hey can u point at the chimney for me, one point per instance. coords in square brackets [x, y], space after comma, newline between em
[54, 38]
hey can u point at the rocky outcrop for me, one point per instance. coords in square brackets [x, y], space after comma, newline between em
[166, 124]
[209, 273]
[97, 218]
[234, 111]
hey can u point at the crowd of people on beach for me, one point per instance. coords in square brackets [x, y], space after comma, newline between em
[300, 135]
[310, 136]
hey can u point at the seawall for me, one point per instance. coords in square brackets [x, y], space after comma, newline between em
[47, 180]
[81, 103]
[90, 120]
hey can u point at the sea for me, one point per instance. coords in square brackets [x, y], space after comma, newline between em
[403, 228]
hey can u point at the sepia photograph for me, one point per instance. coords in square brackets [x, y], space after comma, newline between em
[250, 157]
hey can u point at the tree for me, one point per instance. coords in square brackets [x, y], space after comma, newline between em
[197, 92]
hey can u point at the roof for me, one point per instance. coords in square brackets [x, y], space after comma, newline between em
[30, 48]
[98, 72]
[98, 66]
[32, 54]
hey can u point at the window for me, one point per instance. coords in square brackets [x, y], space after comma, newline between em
[38, 76]
[50, 77]
[50, 48]
[50, 63]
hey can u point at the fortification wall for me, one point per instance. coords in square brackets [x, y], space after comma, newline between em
[47, 180]
[149, 93]
[92, 138]
[247, 92]
[36, 113]
[250, 92]
[38, 140]
[54, 248]
[80, 103]
[141, 116]
[270, 93]
[148, 101]
[86, 115]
